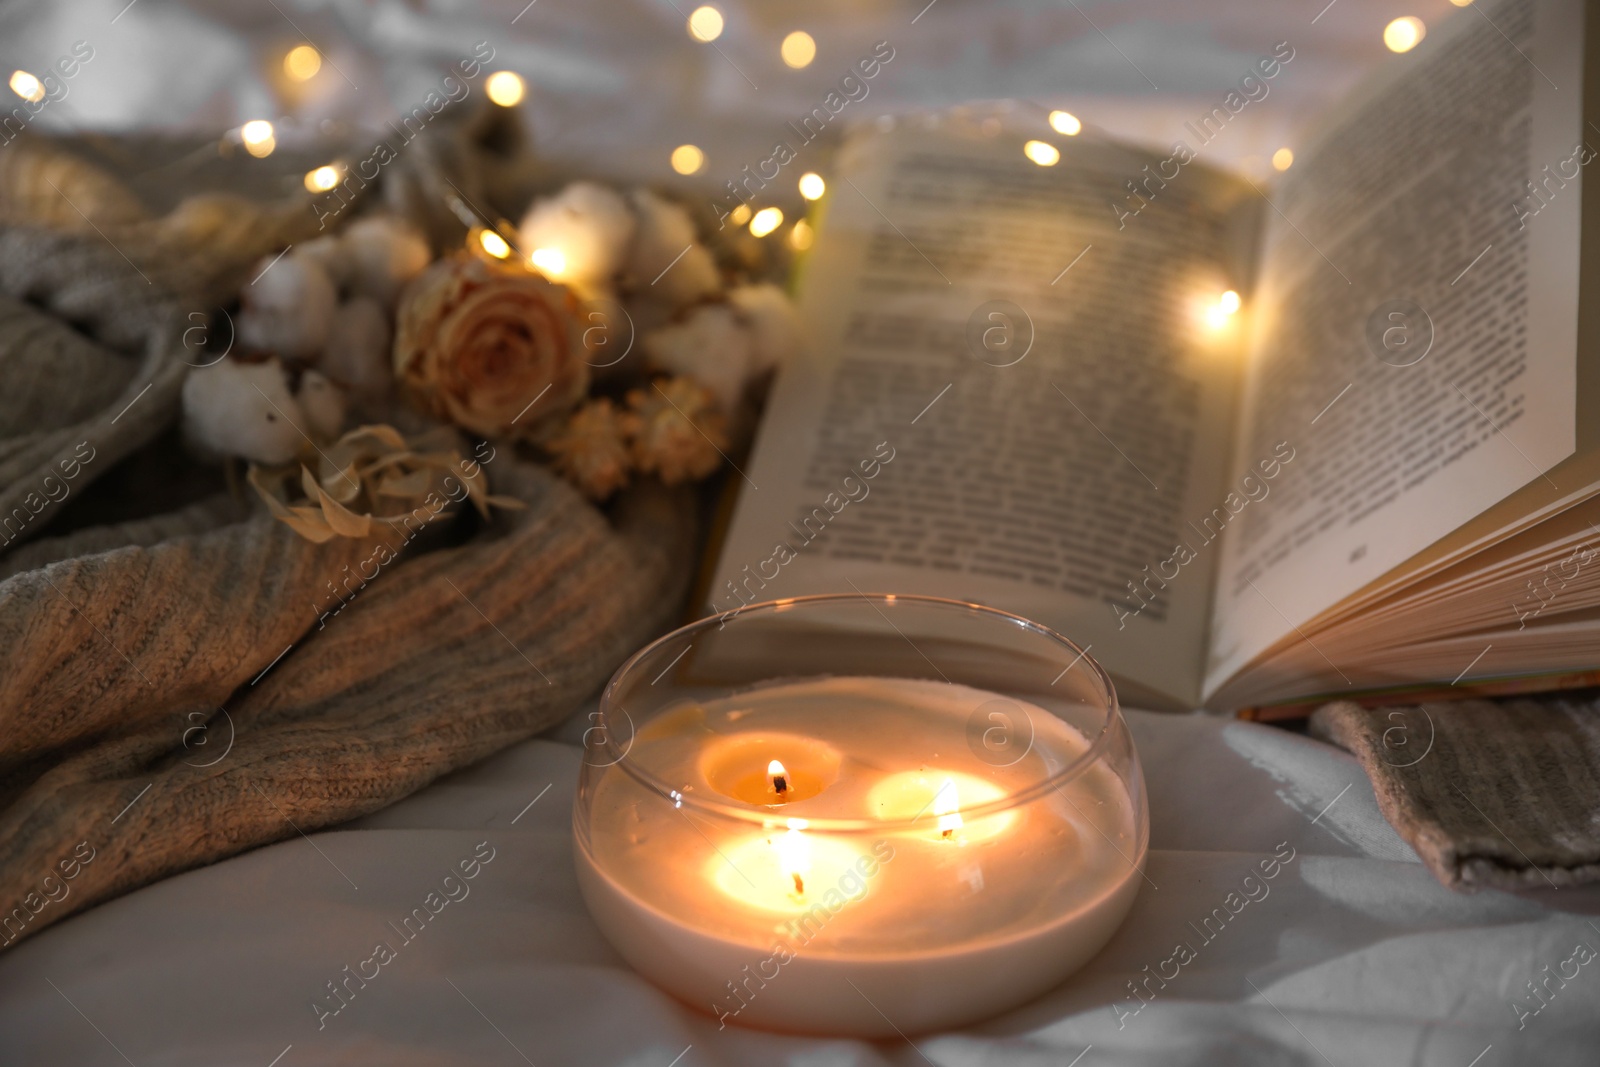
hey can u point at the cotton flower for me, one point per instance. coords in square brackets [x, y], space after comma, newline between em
[579, 237]
[323, 405]
[242, 409]
[492, 351]
[591, 450]
[357, 358]
[712, 346]
[680, 433]
[288, 308]
[332, 255]
[666, 262]
[385, 253]
[771, 317]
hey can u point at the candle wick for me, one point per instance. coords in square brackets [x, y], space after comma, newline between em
[780, 784]
[799, 884]
[947, 832]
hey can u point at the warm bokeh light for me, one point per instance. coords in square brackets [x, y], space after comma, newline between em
[812, 186]
[1461, 3]
[27, 86]
[687, 158]
[258, 138]
[505, 88]
[1282, 159]
[549, 261]
[705, 24]
[322, 179]
[1404, 34]
[1042, 153]
[766, 220]
[1065, 122]
[1216, 315]
[801, 236]
[494, 244]
[798, 49]
[739, 215]
[302, 62]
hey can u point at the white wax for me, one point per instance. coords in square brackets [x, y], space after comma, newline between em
[792, 927]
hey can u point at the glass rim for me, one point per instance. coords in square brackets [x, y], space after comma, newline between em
[769, 817]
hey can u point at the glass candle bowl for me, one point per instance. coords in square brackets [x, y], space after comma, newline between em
[859, 814]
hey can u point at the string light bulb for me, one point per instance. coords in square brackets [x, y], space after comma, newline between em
[1282, 159]
[1404, 33]
[1066, 123]
[687, 159]
[302, 62]
[27, 86]
[550, 262]
[798, 49]
[1042, 153]
[494, 244]
[801, 236]
[505, 88]
[765, 221]
[705, 24]
[812, 186]
[739, 215]
[258, 138]
[1217, 315]
[322, 178]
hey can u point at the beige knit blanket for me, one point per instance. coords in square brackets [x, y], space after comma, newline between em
[1502, 794]
[168, 696]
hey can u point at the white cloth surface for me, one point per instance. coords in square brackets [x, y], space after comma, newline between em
[1356, 956]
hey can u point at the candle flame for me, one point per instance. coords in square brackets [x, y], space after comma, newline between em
[794, 854]
[947, 805]
[779, 777]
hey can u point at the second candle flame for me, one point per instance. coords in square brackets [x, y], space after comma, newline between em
[794, 853]
[947, 806]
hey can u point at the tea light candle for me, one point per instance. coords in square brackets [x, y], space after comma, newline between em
[833, 855]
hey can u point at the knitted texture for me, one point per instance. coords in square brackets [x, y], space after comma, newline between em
[1500, 794]
[138, 718]
[173, 689]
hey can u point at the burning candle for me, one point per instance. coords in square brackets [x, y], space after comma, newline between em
[823, 854]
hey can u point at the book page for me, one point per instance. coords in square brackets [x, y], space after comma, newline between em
[1417, 327]
[1012, 394]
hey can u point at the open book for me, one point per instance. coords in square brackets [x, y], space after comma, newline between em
[1028, 386]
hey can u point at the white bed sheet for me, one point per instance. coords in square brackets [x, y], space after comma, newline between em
[1357, 956]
